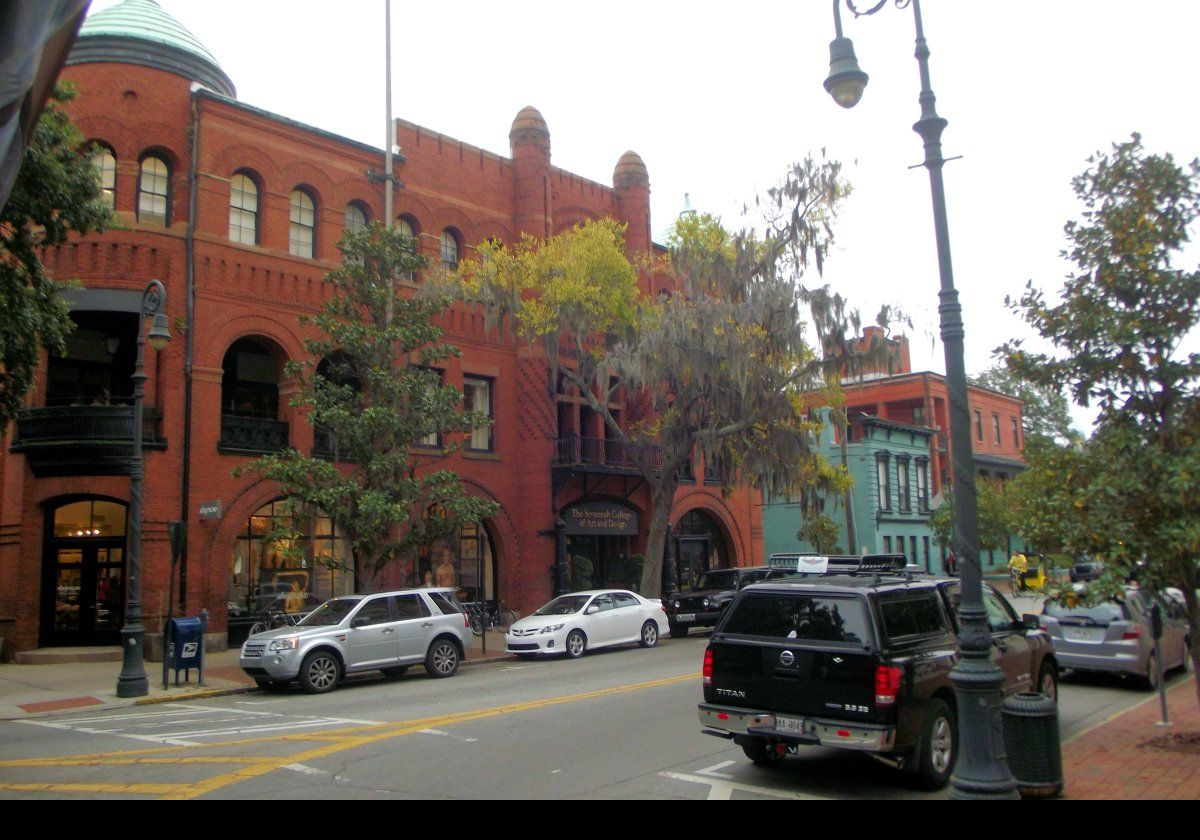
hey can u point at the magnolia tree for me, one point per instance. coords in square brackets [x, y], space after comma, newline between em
[374, 393]
[57, 193]
[1124, 329]
[719, 365]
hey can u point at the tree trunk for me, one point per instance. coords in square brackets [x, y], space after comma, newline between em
[660, 518]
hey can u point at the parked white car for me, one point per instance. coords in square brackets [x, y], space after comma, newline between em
[573, 624]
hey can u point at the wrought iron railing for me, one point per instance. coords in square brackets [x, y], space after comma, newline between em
[84, 424]
[589, 452]
[252, 435]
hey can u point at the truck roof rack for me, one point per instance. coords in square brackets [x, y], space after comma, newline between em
[807, 563]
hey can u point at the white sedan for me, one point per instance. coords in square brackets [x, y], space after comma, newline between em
[574, 623]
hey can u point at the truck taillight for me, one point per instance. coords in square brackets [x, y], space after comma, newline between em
[887, 684]
[708, 669]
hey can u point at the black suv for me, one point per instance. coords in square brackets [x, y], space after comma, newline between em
[858, 657]
[703, 605]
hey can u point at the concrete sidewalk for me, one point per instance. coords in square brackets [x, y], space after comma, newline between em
[27, 690]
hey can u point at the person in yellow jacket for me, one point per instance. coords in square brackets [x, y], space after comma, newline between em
[1018, 564]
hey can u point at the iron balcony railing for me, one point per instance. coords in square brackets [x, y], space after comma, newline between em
[600, 453]
[252, 435]
[84, 424]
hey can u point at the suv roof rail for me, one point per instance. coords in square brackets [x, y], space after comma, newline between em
[809, 563]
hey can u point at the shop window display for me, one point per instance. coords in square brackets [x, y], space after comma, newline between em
[289, 560]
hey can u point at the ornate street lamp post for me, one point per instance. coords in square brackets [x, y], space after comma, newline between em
[133, 681]
[982, 770]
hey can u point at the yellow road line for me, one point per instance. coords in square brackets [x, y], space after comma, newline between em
[388, 731]
[334, 740]
[39, 787]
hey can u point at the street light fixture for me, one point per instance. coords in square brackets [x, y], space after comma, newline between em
[133, 681]
[982, 769]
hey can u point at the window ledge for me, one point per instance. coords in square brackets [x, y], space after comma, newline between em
[480, 455]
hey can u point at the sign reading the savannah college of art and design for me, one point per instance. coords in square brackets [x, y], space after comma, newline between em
[602, 519]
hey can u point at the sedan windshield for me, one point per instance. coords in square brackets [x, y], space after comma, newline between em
[566, 605]
[330, 613]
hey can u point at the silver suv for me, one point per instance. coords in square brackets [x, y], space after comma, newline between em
[386, 632]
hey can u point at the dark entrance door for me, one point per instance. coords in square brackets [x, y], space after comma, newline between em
[693, 560]
[83, 579]
[88, 595]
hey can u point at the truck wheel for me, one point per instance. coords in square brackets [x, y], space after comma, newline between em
[938, 749]
[677, 632]
[762, 752]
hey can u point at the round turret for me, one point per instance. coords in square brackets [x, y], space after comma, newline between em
[140, 32]
[529, 128]
[631, 172]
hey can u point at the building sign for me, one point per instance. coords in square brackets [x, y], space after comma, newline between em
[210, 511]
[602, 519]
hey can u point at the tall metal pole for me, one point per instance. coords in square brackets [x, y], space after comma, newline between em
[981, 770]
[133, 681]
[391, 132]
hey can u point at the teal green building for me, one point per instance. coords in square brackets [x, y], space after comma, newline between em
[891, 504]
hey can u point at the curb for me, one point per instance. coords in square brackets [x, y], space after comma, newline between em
[204, 694]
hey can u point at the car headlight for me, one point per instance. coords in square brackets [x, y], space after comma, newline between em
[675, 605]
[290, 643]
[553, 628]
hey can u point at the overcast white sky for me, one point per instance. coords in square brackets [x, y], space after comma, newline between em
[719, 98]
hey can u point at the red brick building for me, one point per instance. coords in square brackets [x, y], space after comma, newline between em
[237, 211]
[893, 392]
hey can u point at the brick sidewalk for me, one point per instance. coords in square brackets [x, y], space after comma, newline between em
[1128, 757]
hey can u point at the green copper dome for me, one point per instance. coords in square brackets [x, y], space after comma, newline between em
[140, 32]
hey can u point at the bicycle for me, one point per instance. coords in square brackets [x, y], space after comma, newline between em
[273, 620]
[483, 616]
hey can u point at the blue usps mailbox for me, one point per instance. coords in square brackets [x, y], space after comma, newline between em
[185, 647]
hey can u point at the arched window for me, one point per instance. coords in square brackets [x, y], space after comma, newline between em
[449, 249]
[406, 227]
[356, 219]
[243, 210]
[154, 191]
[250, 421]
[302, 232]
[106, 173]
[290, 558]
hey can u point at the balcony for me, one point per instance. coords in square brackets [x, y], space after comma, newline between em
[598, 455]
[242, 435]
[83, 439]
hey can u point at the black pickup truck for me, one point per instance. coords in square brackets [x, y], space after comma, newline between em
[702, 606]
[858, 657]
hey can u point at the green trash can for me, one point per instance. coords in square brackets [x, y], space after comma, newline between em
[1032, 742]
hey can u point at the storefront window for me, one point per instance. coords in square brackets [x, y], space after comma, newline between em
[466, 565]
[289, 560]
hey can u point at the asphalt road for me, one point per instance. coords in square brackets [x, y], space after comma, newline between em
[614, 725]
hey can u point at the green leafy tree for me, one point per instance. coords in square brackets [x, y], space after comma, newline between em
[718, 366]
[56, 194]
[1122, 328]
[996, 521]
[373, 394]
[822, 533]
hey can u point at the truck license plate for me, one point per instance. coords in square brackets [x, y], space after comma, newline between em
[789, 724]
[686, 617]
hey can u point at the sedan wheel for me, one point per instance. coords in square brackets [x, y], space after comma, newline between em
[1048, 681]
[320, 672]
[576, 644]
[649, 635]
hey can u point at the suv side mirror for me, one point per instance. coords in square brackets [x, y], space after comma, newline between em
[1030, 621]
